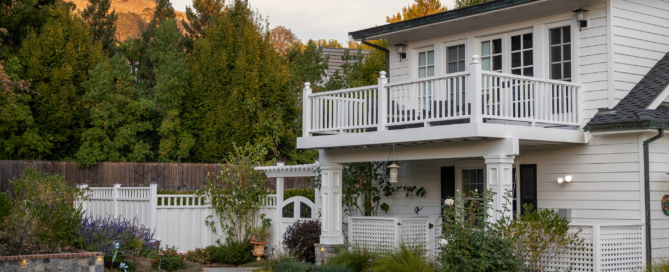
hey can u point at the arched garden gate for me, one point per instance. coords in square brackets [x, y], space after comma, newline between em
[295, 208]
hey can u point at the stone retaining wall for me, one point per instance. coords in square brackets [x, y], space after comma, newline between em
[74, 262]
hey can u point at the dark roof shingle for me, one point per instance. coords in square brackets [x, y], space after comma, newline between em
[631, 112]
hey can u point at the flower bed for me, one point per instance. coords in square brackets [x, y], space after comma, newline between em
[83, 262]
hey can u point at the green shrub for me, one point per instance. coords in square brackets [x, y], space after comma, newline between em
[308, 267]
[473, 243]
[355, 257]
[5, 206]
[405, 257]
[43, 214]
[280, 256]
[199, 255]
[231, 253]
[170, 261]
[130, 265]
[301, 237]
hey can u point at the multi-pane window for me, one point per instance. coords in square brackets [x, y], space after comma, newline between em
[425, 69]
[491, 55]
[560, 53]
[472, 182]
[456, 58]
[521, 55]
[426, 64]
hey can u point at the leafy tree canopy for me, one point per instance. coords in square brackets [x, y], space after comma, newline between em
[205, 13]
[239, 89]
[57, 61]
[467, 3]
[17, 20]
[419, 8]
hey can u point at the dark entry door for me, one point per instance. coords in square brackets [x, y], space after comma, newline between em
[528, 185]
[447, 182]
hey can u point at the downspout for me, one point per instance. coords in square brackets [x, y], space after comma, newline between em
[382, 49]
[646, 185]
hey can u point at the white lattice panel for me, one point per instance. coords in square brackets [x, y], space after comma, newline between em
[378, 233]
[577, 258]
[621, 248]
[438, 235]
[415, 231]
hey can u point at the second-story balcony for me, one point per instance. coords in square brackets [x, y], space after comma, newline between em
[465, 105]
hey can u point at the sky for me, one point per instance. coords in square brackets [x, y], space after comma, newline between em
[324, 19]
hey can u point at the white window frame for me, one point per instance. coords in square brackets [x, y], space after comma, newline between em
[479, 49]
[509, 42]
[546, 47]
[425, 50]
[447, 61]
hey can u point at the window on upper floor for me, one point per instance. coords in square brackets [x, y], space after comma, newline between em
[522, 60]
[455, 58]
[491, 55]
[560, 53]
[426, 63]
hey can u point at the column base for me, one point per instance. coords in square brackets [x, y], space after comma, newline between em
[323, 252]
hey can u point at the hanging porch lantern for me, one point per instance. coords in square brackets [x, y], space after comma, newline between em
[393, 172]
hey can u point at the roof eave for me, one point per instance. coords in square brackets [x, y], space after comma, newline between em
[628, 125]
[436, 18]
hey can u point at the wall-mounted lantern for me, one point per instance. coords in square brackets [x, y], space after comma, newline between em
[393, 172]
[580, 18]
[401, 48]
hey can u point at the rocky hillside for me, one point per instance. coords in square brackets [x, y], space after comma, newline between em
[133, 15]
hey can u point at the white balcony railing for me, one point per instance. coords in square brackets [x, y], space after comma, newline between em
[476, 96]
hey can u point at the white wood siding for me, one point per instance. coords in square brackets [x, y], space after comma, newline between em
[591, 66]
[606, 179]
[640, 38]
[420, 173]
[659, 186]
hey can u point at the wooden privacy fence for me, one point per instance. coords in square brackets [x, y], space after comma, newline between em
[172, 176]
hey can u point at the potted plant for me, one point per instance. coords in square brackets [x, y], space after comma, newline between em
[259, 236]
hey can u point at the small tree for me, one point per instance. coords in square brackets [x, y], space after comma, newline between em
[540, 235]
[237, 193]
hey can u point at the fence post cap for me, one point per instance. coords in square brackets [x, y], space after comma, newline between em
[153, 182]
[117, 185]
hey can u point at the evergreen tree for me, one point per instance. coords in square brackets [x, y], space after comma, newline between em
[19, 138]
[171, 81]
[239, 89]
[117, 116]
[145, 73]
[102, 24]
[57, 61]
[17, 20]
[205, 13]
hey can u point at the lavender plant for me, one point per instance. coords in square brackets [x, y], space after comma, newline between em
[102, 234]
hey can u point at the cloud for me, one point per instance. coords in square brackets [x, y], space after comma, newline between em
[324, 19]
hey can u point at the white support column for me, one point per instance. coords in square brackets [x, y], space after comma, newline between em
[500, 181]
[278, 232]
[116, 186]
[153, 205]
[475, 89]
[306, 110]
[331, 189]
[382, 102]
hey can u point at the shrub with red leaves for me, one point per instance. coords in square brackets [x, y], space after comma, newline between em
[171, 260]
[301, 237]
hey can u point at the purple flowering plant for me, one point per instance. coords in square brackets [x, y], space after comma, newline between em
[103, 234]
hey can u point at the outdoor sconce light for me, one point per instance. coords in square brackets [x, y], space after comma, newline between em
[401, 48]
[393, 172]
[566, 178]
[580, 14]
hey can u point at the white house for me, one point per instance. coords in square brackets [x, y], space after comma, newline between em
[475, 94]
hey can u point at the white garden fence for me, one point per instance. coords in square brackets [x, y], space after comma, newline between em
[177, 220]
[384, 233]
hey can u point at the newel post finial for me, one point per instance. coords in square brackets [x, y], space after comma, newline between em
[307, 85]
[383, 74]
[476, 59]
